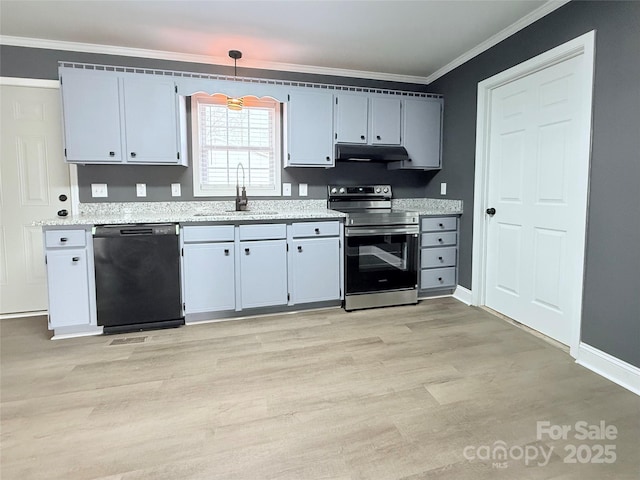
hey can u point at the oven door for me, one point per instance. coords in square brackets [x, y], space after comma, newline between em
[380, 259]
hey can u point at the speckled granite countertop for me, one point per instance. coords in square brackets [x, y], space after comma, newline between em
[223, 211]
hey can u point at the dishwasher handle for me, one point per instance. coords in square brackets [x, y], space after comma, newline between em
[135, 230]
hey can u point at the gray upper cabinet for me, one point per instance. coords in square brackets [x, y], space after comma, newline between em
[374, 120]
[385, 114]
[310, 129]
[422, 134]
[120, 118]
[352, 118]
[151, 120]
[91, 112]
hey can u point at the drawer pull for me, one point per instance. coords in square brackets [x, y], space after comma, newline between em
[133, 154]
[299, 248]
[63, 239]
[440, 279]
[328, 159]
[440, 240]
[75, 259]
[317, 230]
[246, 251]
[226, 251]
[378, 137]
[441, 225]
[112, 154]
[440, 258]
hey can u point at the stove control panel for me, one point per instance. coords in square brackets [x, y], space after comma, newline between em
[360, 191]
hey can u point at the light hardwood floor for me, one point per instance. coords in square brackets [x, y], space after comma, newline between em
[395, 393]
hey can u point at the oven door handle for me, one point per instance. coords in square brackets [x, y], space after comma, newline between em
[369, 231]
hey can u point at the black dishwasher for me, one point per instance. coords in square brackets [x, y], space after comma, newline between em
[137, 277]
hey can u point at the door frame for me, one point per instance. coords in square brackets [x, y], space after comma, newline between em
[73, 169]
[583, 45]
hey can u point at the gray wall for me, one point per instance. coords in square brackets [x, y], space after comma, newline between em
[611, 305]
[121, 180]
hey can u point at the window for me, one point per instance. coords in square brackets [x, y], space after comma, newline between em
[222, 139]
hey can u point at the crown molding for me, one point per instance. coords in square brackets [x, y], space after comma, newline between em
[525, 21]
[204, 59]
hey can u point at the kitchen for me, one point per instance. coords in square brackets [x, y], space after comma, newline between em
[459, 185]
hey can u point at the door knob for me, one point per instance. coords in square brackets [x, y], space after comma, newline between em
[491, 211]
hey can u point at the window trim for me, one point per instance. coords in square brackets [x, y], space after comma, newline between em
[198, 190]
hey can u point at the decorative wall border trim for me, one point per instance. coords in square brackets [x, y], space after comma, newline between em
[242, 80]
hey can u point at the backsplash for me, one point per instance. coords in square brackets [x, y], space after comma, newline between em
[121, 181]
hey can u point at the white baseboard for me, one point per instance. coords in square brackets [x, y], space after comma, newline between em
[23, 314]
[463, 295]
[610, 367]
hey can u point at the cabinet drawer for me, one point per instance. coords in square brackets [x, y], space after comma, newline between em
[315, 229]
[438, 257]
[437, 277]
[210, 233]
[437, 239]
[64, 238]
[438, 223]
[263, 232]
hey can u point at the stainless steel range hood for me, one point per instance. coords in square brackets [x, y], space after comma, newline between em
[370, 153]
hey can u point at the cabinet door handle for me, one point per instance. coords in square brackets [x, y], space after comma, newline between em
[63, 239]
[246, 251]
[226, 251]
[317, 230]
[440, 240]
[440, 279]
[440, 258]
[75, 259]
[299, 248]
[112, 154]
[378, 137]
[328, 159]
[133, 154]
[441, 225]
[63, 213]
[362, 137]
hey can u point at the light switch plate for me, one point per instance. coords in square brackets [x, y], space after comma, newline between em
[286, 189]
[99, 190]
[175, 190]
[443, 188]
[303, 191]
[141, 189]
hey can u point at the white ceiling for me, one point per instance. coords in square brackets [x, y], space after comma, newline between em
[414, 41]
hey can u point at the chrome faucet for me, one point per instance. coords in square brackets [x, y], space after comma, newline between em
[241, 200]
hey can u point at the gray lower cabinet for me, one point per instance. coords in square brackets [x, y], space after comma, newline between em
[208, 269]
[70, 279]
[263, 265]
[438, 254]
[314, 262]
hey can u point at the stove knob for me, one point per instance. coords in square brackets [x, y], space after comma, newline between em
[378, 190]
[386, 190]
[334, 190]
[342, 190]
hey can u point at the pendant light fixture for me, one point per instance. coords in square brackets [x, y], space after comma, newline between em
[235, 103]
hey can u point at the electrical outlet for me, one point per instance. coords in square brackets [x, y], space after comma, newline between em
[286, 189]
[443, 188]
[99, 190]
[303, 190]
[175, 190]
[141, 189]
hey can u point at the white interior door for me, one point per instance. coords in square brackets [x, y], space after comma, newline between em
[534, 238]
[33, 176]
